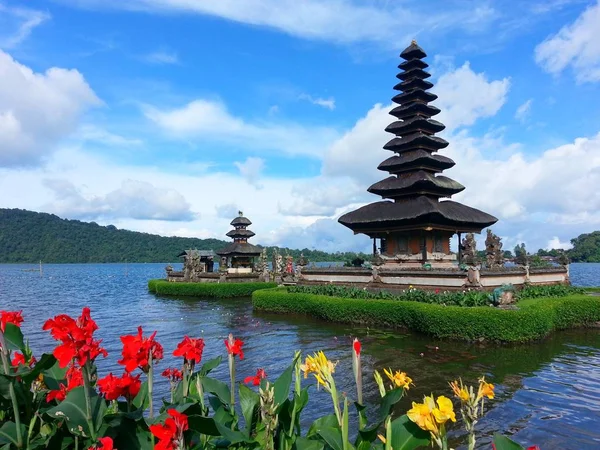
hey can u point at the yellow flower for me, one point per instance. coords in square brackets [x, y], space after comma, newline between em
[422, 415]
[444, 410]
[399, 379]
[485, 389]
[320, 366]
[382, 438]
[460, 391]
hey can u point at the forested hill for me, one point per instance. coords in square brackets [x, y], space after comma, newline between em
[30, 237]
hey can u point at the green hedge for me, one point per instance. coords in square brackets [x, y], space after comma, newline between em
[218, 290]
[532, 321]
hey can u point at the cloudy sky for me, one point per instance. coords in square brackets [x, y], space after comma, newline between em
[168, 116]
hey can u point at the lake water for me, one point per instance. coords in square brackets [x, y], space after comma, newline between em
[548, 393]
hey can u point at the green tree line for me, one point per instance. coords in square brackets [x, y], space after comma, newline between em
[28, 237]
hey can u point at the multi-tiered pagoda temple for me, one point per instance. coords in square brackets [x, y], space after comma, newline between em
[413, 224]
[239, 255]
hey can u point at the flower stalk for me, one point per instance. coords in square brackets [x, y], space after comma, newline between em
[88, 404]
[150, 386]
[11, 388]
[357, 369]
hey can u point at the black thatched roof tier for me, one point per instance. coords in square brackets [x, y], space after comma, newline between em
[240, 221]
[240, 249]
[415, 160]
[415, 141]
[416, 183]
[242, 233]
[417, 213]
[416, 109]
[414, 125]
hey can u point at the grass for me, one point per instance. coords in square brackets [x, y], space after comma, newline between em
[534, 319]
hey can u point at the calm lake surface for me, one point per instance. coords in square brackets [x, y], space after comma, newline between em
[548, 393]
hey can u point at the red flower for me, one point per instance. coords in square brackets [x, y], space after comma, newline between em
[74, 378]
[255, 380]
[126, 386]
[437, 291]
[190, 349]
[533, 447]
[76, 337]
[170, 435]
[104, 443]
[234, 346]
[173, 374]
[356, 346]
[13, 317]
[19, 359]
[137, 351]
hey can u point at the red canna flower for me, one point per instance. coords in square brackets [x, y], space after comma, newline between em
[170, 435]
[190, 349]
[19, 360]
[76, 337]
[356, 346]
[172, 374]
[13, 317]
[104, 443]
[126, 386]
[234, 346]
[533, 447]
[255, 380]
[137, 351]
[74, 378]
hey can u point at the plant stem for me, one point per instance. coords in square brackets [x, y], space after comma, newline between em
[150, 379]
[232, 378]
[30, 431]
[200, 392]
[11, 389]
[88, 402]
[336, 402]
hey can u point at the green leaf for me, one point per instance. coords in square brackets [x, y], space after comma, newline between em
[5, 382]
[142, 400]
[406, 435]
[203, 425]
[209, 365]
[504, 443]
[333, 437]
[14, 337]
[132, 435]
[387, 403]
[30, 374]
[54, 376]
[233, 436]
[73, 410]
[9, 433]
[218, 388]
[308, 444]
[322, 422]
[282, 385]
[249, 401]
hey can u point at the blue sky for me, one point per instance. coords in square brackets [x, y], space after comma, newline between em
[167, 116]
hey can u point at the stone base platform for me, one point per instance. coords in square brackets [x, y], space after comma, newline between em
[446, 279]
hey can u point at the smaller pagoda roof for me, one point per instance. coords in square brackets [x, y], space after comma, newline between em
[415, 124]
[413, 73]
[413, 51]
[240, 234]
[413, 83]
[417, 95]
[421, 109]
[240, 249]
[201, 253]
[413, 64]
[240, 221]
[416, 159]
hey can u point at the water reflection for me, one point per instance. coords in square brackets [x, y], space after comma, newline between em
[548, 392]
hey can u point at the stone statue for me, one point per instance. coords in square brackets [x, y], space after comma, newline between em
[289, 264]
[274, 261]
[377, 260]
[469, 250]
[192, 265]
[223, 264]
[262, 266]
[279, 264]
[302, 261]
[494, 256]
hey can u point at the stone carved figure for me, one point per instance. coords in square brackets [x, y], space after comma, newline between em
[223, 264]
[377, 260]
[302, 261]
[469, 250]
[263, 265]
[274, 261]
[494, 256]
[289, 264]
[279, 264]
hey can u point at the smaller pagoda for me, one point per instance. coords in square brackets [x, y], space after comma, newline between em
[238, 257]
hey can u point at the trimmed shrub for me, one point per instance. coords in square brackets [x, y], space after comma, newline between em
[216, 290]
[453, 322]
[549, 291]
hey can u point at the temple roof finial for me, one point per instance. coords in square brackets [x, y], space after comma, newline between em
[414, 42]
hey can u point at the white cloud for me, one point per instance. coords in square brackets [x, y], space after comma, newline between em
[134, 199]
[466, 96]
[251, 170]
[555, 243]
[93, 133]
[210, 120]
[37, 110]
[18, 23]
[342, 21]
[523, 111]
[328, 103]
[162, 56]
[576, 45]
[227, 211]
